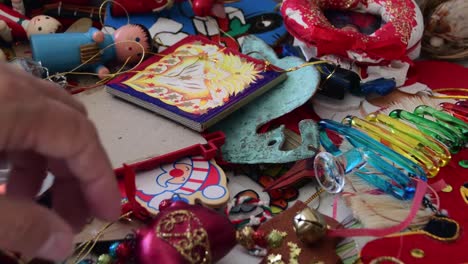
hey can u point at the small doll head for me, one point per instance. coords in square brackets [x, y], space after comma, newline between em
[42, 25]
[129, 41]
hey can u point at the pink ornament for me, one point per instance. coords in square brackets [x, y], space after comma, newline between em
[184, 233]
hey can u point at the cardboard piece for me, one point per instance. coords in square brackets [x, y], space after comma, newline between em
[130, 133]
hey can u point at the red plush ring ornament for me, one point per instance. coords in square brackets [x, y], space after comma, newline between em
[394, 40]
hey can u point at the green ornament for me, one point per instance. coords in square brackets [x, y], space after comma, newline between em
[104, 259]
[275, 238]
[463, 164]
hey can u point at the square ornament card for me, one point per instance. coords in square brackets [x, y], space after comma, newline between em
[196, 82]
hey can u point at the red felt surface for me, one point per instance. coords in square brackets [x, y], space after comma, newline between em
[435, 74]
[434, 251]
[439, 74]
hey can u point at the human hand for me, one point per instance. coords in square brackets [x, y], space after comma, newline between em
[44, 128]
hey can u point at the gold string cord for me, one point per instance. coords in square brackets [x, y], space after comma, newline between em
[86, 247]
[101, 7]
[314, 196]
[424, 232]
[448, 96]
[229, 36]
[295, 68]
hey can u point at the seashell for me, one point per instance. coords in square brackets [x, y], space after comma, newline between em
[450, 20]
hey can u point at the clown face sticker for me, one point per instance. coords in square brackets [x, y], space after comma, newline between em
[193, 179]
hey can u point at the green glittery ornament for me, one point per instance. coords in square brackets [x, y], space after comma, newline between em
[275, 238]
[104, 259]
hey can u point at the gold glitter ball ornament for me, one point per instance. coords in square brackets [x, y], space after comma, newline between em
[310, 226]
[245, 237]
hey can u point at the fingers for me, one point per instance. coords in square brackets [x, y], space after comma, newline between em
[57, 93]
[67, 198]
[33, 231]
[27, 173]
[19, 85]
[55, 130]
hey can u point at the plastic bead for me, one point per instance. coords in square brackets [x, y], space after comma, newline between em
[113, 249]
[123, 251]
[104, 259]
[259, 238]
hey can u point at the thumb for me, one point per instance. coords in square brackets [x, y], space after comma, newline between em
[33, 231]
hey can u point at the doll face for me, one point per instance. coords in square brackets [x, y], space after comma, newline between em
[180, 173]
[43, 25]
[129, 41]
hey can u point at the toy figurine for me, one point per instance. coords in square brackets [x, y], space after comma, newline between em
[91, 50]
[18, 6]
[15, 26]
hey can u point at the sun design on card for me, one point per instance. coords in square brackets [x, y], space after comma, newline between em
[196, 77]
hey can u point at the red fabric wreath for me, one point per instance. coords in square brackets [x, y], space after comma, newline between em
[306, 21]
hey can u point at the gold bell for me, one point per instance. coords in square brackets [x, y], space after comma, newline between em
[309, 225]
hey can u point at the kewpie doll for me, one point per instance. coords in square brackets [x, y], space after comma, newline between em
[16, 27]
[65, 52]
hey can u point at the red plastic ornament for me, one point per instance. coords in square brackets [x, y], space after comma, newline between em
[202, 7]
[123, 251]
[259, 238]
[214, 8]
[164, 204]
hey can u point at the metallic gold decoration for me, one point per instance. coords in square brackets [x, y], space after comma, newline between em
[294, 252]
[447, 188]
[417, 253]
[244, 237]
[275, 259]
[309, 225]
[386, 259]
[464, 192]
[192, 243]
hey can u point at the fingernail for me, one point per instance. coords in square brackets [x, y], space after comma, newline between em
[58, 247]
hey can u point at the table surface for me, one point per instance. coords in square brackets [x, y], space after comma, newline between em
[130, 133]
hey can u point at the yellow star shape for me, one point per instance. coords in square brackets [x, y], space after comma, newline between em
[275, 259]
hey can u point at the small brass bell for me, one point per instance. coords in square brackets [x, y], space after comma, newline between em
[310, 226]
